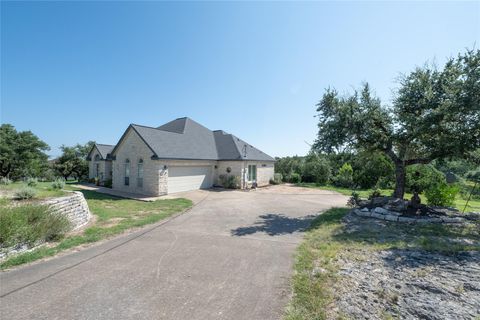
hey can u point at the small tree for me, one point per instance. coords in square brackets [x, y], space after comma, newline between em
[344, 177]
[435, 115]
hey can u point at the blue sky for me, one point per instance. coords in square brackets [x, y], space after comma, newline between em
[73, 72]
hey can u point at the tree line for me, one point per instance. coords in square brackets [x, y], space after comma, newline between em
[372, 170]
[23, 155]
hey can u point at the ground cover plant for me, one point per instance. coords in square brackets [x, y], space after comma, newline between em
[30, 224]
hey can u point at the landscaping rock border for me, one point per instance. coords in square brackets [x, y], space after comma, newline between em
[384, 214]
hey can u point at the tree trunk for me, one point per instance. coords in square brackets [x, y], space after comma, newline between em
[400, 175]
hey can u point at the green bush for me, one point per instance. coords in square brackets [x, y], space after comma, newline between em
[294, 178]
[374, 194]
[345, 176]
[316, 170]
[25, 192]
[229, 181]
[288, 165]
[31, 182]
[372, 169]
[58, 183]
[277, 178]
[5, 181]
[441, 194]
[108, 183]
[28, 224]
[354, 200]
[421, 177]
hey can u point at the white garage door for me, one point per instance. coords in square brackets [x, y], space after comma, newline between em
[189, 178]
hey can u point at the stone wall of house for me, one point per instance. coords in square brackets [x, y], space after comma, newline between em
[74, 206]
[133, 148]
[237, 168]
[104, 167]
[265, 171]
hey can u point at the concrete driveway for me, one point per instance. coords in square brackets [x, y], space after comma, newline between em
[230, 257]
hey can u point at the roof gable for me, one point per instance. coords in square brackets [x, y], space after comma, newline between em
[104, 150]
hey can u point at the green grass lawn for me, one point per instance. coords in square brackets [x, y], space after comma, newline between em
[473, 205]
[328, 237]
[114, 216]
[44, 189]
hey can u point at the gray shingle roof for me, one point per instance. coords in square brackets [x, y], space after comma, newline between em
[104, 149]
[184, 138]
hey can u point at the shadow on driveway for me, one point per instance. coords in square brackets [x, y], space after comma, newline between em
[275, 224]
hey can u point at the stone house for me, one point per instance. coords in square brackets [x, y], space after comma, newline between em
[180, 155]
[99, 162]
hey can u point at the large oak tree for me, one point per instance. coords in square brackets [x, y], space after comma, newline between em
[435, 114]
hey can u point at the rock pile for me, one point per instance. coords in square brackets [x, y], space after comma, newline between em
[399, 210]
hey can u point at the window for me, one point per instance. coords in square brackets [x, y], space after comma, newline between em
[97, 157]
[252, 172]
[97, 169]
[127, 172]
[140, 174]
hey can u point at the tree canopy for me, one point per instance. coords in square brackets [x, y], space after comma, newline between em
[22, 154]
[73, 162]
[435, 114]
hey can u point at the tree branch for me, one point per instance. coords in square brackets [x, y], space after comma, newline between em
[417, 161]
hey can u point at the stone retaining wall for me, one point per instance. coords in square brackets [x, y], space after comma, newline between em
[74, 206]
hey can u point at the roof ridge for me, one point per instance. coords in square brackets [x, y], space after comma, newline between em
[148, 127]
[236, 146]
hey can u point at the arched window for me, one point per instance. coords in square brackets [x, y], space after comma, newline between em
[140, 173]
[127, 172]
[97, 157]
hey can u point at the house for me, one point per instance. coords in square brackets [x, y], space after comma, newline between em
[99, 162]
[180, 155]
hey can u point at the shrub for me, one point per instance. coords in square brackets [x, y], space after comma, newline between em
[345, 176]
[278, 178]
[421, 177]
[28, 224]
[374, 194]
[58, 183]
[108, 183]
[229, 181]
[25, 193]
[354, 200]
[316, 170]
[31, 182]
[288, 165]
[372, 168]
[441, 194]
[294, 178]
[5, 181]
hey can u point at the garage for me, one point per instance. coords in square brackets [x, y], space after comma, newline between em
[189, 178]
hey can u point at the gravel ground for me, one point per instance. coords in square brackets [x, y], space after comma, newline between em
[407, 284]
